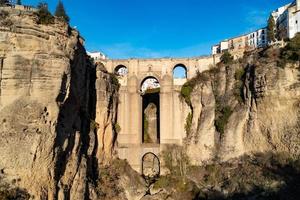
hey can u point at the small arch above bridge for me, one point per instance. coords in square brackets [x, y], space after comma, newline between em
[180, 71]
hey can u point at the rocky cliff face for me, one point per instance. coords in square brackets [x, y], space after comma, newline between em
[56, 109]
[251, 105]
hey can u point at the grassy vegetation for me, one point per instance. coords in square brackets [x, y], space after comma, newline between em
[261, 176]
[117, 128]
[226, 58]
[223, 114]
[238, 86]
[291, 52]
[152, 91]
[188, 123]
[176, 160]
[188, 87]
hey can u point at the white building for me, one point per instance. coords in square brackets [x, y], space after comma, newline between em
[97, 55]
[215, 49]
[257, 39]
[224, 46]
[287, 20]
[294, 19]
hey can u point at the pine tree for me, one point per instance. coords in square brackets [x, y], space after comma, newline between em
[44, 16]
[19, 2]
[61, 12]
[271, 29]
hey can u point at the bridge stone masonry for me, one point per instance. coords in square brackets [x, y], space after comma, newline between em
[133, 140]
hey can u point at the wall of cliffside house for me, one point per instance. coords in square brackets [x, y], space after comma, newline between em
[249, 106]
[56, 109]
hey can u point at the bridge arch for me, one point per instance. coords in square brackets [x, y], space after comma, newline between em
[150, 93]
[121, 70]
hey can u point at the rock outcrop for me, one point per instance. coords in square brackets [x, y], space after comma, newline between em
[57, 111]
[249, 106]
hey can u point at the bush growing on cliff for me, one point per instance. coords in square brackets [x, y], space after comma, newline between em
[44, 16]
[226, 58]
[291, 52]
[115, 81]
[238, 86]
[188, 87]
[271, 29]
[188, 123]
[60, 12]
[223, 115]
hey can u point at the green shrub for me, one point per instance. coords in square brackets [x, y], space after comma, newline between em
[117, 128]
[115, 81]
[186, 91]
[152, 91]
[239, 83]
[163, 182]
[44, 16]
[188, 87]
[176, 160]
[188, 123]
[291, 52]
[226, 58]
[222, 119]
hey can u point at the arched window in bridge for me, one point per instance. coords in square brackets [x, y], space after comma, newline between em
[150, 89]
[121, 70]
[180, 72]
[150, 83]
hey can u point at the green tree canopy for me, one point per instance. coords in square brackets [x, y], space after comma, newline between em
[271, 29]
[61, 12]
[44, 15]
[226, 58]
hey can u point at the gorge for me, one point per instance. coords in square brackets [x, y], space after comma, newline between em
[67, 122]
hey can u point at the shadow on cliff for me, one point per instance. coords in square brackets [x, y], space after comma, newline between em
[77, 107]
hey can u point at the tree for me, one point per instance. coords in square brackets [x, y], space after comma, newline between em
[44, 16]
[226, 58]
[61, 12]
[271, 29]
[4, 2]
[19, 2]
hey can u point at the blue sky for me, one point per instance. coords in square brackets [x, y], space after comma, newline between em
[162, 28]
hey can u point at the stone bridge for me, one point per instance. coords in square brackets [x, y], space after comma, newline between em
[171, 112]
